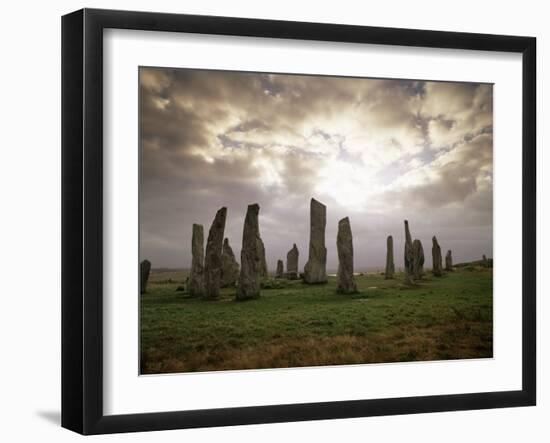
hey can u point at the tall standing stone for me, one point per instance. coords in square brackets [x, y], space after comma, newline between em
[409, 261]
[437, 267]
[315, 270]
[251, 260]
[390, 265]
[449, 261]
[292, 263]
[263, 261]
[484, 261]
[344, 244]
[196, 279]
[279, 273]
[213, 256]
[230, 267]
[144, 270]
[418, 259]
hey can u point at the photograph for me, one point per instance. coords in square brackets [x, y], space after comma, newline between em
[292, 220]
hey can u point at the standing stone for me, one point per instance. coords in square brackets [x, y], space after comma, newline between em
[263, 261]
[292, 263]
[449, 261]
[437, 267]
[251, 260]
[213, 256]
[280, 269]
[315, 270]
[485, 262]
[344, 244]
[390, 265]
[418, 259]
[144, 270]
[409, 266]
[230, 267]
[196, 279]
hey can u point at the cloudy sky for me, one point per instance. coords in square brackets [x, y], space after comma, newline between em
[376, 150]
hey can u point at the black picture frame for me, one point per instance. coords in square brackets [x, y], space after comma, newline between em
[82, 218]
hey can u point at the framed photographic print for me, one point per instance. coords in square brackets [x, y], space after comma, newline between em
[269, 221]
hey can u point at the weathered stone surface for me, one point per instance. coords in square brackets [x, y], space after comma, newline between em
[292, 263]
[449, 261]
[344, 244]
[390, 265]
[144, 270]
[437, 267]
[196, 279]
[418, 259]
[263, 261]
[213, 256]
[279, 273]
[315, 270]
[409, 262]
[230, 267]
[251, 258]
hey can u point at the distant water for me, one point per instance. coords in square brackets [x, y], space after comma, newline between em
[369, 270]
[330, 272]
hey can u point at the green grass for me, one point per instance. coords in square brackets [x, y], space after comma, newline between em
[295, 324]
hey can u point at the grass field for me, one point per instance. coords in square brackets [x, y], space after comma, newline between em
[294, 324]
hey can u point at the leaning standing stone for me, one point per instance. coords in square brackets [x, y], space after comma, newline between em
[213, 256]
[230, 267]
[315, 270]
[449, 261]
[390, 266]
[437, 268]
[418, 259]
[263, 261]
[344, 244]
[250, 278]
[280, 270]
[409, 266]
[144, 270]
[292, 263]
[196, 279]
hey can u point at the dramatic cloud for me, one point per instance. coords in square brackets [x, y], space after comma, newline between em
[378, 151]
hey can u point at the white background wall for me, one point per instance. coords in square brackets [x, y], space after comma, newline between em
[30, 219]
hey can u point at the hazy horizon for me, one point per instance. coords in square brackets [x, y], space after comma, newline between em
[378, 151]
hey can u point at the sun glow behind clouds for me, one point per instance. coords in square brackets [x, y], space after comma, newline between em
[349, 185]
[389, 149]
